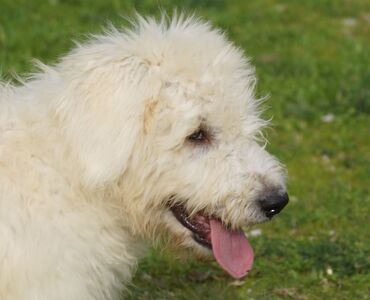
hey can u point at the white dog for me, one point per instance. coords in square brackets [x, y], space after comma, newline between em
[141, 135]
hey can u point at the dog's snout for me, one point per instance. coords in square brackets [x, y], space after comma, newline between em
[273, 203]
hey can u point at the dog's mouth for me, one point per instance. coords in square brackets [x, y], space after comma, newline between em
[198, 224]
[230, 247]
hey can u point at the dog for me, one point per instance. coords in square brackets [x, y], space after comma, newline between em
[138, 136]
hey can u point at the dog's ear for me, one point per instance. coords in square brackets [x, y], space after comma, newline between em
[102, 111]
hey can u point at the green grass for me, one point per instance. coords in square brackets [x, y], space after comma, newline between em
[312, 58]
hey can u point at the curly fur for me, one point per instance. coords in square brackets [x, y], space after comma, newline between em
[93, 149]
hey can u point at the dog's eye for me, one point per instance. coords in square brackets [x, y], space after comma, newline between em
[198, 136]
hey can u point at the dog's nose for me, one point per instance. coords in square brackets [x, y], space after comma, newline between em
[274, 203]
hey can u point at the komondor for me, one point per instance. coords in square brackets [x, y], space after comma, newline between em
[138, 136]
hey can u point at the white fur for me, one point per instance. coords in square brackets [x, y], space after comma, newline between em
[93, 148]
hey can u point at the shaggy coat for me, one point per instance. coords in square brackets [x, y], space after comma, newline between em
[95, 150]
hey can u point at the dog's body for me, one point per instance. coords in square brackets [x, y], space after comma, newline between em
[118, 142]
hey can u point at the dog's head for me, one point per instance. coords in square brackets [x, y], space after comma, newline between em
[167, 112]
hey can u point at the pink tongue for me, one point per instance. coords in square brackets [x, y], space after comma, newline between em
[231, 249]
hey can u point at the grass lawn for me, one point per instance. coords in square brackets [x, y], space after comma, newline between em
[313, 59]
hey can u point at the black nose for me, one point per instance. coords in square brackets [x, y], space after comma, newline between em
[273, 203]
